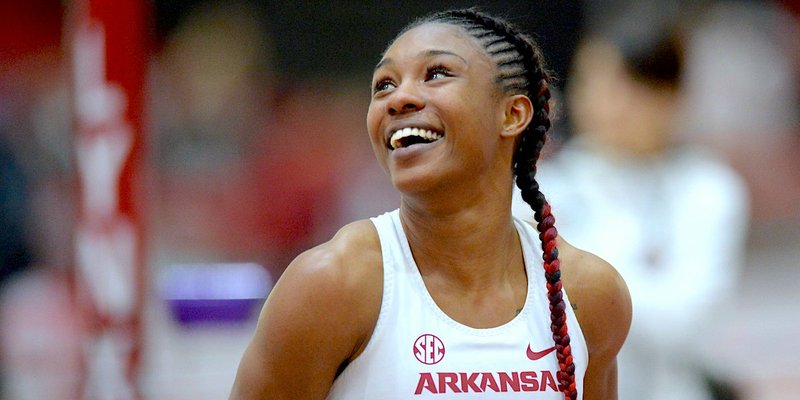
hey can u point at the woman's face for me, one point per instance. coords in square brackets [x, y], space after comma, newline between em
[614, 109]
[435, 113]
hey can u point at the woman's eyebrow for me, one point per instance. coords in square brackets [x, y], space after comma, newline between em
[433, 53]
[383, 63]
[426, 54]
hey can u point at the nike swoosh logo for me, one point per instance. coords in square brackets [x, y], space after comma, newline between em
[535, 355]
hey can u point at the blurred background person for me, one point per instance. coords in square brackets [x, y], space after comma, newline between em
[671, 216]
[742, 98]
[38, 340]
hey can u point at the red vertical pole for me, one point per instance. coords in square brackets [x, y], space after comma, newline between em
[108, 49]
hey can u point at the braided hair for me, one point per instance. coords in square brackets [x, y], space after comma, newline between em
[521, 70]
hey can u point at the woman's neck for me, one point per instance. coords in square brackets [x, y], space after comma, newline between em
[473, 244]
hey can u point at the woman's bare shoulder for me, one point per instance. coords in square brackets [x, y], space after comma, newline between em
[317, 318]
[599, 296]
[354, 246]
[347, 267]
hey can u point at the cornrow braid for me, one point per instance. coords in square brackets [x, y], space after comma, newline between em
[520, 70]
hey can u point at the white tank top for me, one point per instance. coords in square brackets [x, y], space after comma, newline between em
[418, 352]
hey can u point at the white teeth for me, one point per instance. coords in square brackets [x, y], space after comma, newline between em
[406, 132]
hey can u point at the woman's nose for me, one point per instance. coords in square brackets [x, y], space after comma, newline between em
[405, 99]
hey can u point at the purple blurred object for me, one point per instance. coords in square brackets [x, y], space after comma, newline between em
[224, 292]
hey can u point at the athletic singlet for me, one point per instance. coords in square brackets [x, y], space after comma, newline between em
[418, 352]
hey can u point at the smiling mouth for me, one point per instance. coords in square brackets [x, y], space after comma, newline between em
[410, 136]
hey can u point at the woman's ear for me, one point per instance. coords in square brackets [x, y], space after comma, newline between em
[518, 114]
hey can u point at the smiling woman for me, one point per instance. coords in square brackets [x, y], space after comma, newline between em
[448, 297]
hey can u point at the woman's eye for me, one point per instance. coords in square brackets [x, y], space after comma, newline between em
[383, 85]
[438, 72]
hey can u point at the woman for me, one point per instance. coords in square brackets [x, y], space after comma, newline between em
[448, 296]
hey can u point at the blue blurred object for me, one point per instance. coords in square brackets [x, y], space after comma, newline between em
[218, 292]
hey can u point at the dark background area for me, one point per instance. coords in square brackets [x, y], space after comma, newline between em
[314, 39]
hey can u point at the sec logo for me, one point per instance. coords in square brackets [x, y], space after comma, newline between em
[428, 349]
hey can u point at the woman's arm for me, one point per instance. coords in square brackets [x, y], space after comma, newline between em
[603, 307]
[317, 318]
